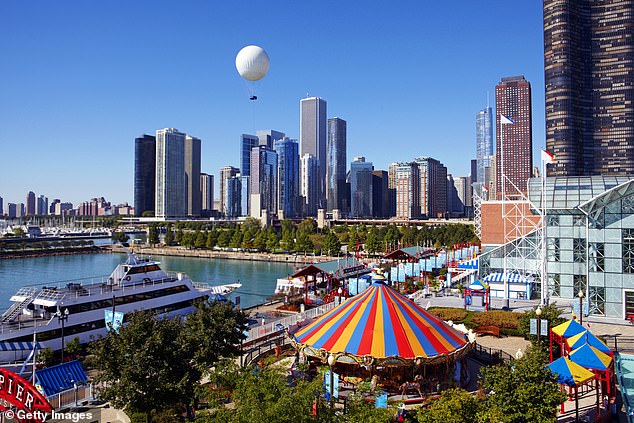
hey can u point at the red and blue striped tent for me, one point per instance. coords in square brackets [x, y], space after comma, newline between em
[382, 326]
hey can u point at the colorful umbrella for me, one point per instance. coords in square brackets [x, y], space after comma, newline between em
[570, 373]
[568, 329]
[587, 337]
[590, 358]
[380, 323]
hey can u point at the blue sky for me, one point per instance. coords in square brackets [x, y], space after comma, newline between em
[80, 79]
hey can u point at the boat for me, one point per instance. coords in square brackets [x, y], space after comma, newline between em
[77, 308]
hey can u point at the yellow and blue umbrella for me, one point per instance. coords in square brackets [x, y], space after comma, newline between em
[590, 358]
[587, 337]
[570, 373]
[568, 329]
[381, 323]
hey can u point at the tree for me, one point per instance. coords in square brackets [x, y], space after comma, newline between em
[332, 246]
[225, 238]
[453, 406]
[153, 235]
[73, 348]
[178, 238]
[212, 238]
[46, 357]
[120, 237]
[307, 226]
[236, 239]
[372, 243]
[251, 224]
[288, 240]
[304, 243]
[188, 239]
[201, 239]
[169, 236]
[523, 390]
[272, 240]
[145, 365]
[549, 312]
[392, 236]
[215, 330]
[260, 240]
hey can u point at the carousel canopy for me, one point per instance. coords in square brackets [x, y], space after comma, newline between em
[570, 373]
[586, 337]
[568, 329]
[381, 323]
[590, 358]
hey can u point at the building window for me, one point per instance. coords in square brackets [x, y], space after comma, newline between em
[579, 250]
[579, 283]
[596, 255]
[597, 300]
[628, 250]
[579, 221]
[627, 205]
[629, 304]
[553, 220]
[553, 249]
[554, 285]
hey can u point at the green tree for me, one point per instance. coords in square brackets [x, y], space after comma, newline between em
[392, 237]
[332, 246]
[272, 240]
[550, 312]
[236, 239]
[188, 239]
[304, 244]
[153, 235]
[212, 238]
[288, 240]
[201, 239]
[120, 237]
[307, 226]
[46, 357]
[225, 238]
[372, 243]
[453, 406]
[523, 390]
[73, 348]
[178, 237]
[146, 365]
[260, 240]
[251, 224]
[169, 236]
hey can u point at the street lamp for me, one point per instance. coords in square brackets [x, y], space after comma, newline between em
[62, 317]
[331, 362]
[538, 312]
[581, 306]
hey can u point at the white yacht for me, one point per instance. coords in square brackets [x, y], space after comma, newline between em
[137, 284]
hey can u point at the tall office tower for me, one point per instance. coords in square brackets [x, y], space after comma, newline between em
[589, 77]
[1, 207]
[336, 165]
[206, 192]
[51, 207]
[30, 204]
[461, 189]
[263, 181]
[41, 206]
[267, 137]
[484, 142]
[391, 189]
[192, 175]
[244, 195]
[12, 210]
[144, 174]
[227, 172]
[474, 170]
[361, 187]
[233, 196]
[312, 139]
[20, 210]
[379, 193]
[407, 190]
[287, 177]
[514, 141]
[433, 187]
[170, 198]
[247, 142]
[309, 184]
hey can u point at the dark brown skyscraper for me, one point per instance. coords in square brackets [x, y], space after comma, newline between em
[588, 64]
[514, 141]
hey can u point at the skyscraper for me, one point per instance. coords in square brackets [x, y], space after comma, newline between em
[484, 142]
[407, 190]
[380, 193]
[287, 176]
[309, 188]
[30, 204]
[263, 181]
[312, 122]
[589, 77]
[336, 165]
[233, 196]
[432, 187]
[144, 174]
[206, 193]
[267, 137]
[170, 174]
[514, 141]
[247, 142]
[391, 189]
[1, 207]
[361, 187]
[41, 208]
[226, 172]
[192, 175]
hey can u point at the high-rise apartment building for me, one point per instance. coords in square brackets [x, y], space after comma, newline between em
[336, 165]
[589, 77]
[41, 207]
[227, 172]
[206, 193]
[12, 210]
[30, 204]
[391, 189]
[1, 207]
[309, 187]
[407, 190]
[267, 137]
[313, 136]
[247, 142]
[380, 193]
[170, 198]
[263, 181]
[361, 187]
[484, 143]
[144, 174]
[233, 196]
[514, 141]
[287, 177]
[192, 175]
[433, 187]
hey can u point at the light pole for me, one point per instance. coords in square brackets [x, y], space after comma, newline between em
[62, 317]
[331, 362]
[581, 306]
[538, 312]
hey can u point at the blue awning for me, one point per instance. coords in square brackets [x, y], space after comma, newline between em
[468, 265]
[60, 377]
[18, 346]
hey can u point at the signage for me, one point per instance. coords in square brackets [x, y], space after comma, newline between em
[533, 327]
[335, 379]
[353, 269]
[18, 392]
[543, 328]
[114, 320]
[381, 401]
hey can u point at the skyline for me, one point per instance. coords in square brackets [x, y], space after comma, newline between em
[76, 81]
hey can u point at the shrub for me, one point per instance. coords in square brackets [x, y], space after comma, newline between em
[448, 313]
[499, 318]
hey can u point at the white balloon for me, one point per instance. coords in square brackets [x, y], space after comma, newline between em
[252, 63]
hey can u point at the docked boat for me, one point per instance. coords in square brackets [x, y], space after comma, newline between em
[137, 284]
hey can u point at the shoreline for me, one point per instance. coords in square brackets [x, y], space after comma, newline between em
[70, 251]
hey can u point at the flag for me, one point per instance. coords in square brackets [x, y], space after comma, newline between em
[548, 157]
[505, 120]
[485, 188]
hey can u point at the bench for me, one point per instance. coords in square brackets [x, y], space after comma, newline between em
[488, 330]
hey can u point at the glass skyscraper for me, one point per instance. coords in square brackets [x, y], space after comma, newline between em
[312, 122]
[247, 142]
[336, 165]
[589, 77]
[484, 143]
[361, 188]
[288, 176]
[263, 181]
[192, 175]
[170, 174]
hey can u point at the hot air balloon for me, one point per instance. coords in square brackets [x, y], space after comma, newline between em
[252, 64]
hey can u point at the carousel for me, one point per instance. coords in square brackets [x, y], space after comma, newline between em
[382, 336]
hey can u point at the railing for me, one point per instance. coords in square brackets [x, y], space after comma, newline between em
[491, 355]
[266, 330]
[71, 397]
[254, 353]
[621, 344]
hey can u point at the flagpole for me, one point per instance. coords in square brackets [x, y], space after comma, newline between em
[544, 281]
[504, 237]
